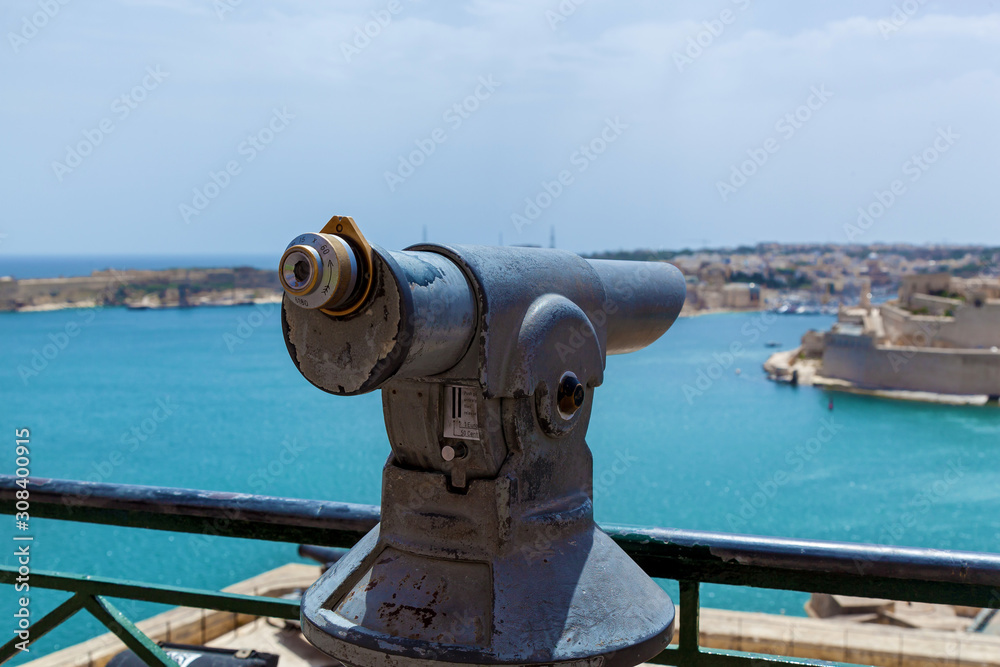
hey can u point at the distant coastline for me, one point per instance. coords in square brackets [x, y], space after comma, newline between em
[24, 267]
[79, 305]
[784, 278]
[142, 289]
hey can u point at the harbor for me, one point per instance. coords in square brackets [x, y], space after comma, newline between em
[939, 341]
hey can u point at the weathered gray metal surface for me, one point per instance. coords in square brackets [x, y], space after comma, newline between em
[444, 313]
[487, 552]
[418, 320]
[644, 298]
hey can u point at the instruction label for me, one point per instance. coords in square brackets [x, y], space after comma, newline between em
[460, 417]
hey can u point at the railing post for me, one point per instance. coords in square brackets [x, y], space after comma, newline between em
[687, 647]
[144, 647]
[42, 626]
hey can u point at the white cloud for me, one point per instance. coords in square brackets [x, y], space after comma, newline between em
[687, 128]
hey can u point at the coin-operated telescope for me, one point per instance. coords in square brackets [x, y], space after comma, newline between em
[487, 358]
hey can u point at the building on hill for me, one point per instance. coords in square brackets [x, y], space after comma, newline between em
[940, 339]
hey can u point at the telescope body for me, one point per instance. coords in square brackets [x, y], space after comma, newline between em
[487, 358]
[434, 298]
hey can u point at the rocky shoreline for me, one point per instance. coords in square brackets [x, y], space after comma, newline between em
[142, 290]
[790, 367]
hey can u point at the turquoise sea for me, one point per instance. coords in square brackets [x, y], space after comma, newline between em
[214, 399]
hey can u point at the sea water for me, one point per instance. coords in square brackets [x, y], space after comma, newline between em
[687, 433]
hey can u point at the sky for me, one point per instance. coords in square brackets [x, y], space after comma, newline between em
[230, 126]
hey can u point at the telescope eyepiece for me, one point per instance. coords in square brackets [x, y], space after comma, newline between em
[299, 268]
[320, 271]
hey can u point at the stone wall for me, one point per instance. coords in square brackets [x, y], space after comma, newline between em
[926, 283]
[971, 326]
[935, 305]
[976, 326]
[904, 328]
[813, 344]
[944, 371]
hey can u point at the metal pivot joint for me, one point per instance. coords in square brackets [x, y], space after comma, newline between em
[487, 551]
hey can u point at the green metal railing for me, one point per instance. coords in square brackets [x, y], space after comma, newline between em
[689, 557]
[91, 593]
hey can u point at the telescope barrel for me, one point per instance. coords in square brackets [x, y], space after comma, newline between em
[442, 308]
[644, 299]
[424, 307]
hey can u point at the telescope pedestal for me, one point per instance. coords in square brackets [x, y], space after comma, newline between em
[547, 589]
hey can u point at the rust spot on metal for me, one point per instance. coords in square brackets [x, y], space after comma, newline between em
[344, 358]
[391, 610]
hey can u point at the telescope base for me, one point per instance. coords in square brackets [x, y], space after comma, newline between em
[578, 601]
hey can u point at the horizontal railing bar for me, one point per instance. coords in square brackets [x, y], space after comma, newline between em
[831, 557]
[902, 573]
[192, 511]
[251, 605]
[865, 570]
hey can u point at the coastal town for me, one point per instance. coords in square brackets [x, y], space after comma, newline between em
[786, 278]
[810, 278]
